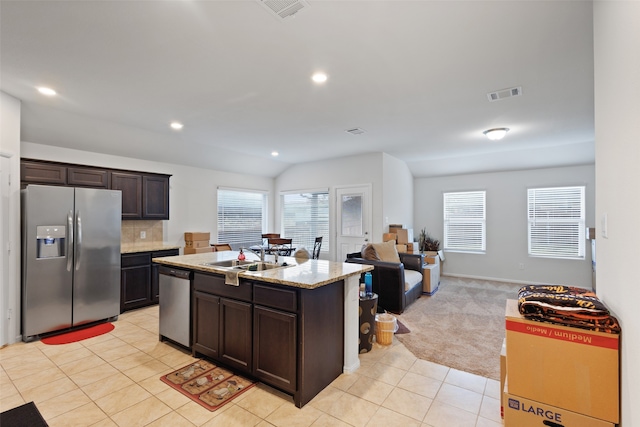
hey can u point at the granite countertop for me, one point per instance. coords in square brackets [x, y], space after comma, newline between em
[308, 274]
[130, 248]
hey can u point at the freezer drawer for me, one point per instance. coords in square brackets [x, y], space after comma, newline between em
[175, 305]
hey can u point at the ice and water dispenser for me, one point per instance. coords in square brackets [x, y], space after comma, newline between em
[51, 240]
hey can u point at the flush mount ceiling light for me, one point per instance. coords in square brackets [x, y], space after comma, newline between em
[496, 134]
[275, 153]
[319, 77]
[176, 125]
[46, 91]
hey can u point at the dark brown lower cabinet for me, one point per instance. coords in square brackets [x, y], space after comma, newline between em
[135, 280]
[290, 338]
[274, 347]
[139, 286]
[206, 318]
[235, 334]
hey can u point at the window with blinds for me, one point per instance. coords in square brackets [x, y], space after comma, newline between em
[465, 221]
[305, 216]
[241, 217]
[556, 222]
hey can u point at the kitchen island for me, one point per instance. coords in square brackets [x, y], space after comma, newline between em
[294, 327]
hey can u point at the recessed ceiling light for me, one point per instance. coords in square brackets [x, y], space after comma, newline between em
[176, 125]
[275, 153]
[319, 77]
[46, 91]
[496, 134]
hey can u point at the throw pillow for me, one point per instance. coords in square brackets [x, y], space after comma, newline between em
[387, 251]
[369, 252]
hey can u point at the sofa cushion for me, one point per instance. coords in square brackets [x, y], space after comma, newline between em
[368, 252]
[411, 279]
[387, 251]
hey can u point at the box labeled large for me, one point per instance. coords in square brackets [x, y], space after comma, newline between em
[523, 412]
[570, 368]
[430, 278]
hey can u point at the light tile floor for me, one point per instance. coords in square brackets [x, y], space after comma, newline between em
[113, 380]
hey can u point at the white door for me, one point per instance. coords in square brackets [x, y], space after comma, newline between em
[353, 225]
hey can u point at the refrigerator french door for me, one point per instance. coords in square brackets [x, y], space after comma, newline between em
[71, 257]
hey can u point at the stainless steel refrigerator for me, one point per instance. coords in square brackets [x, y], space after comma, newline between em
[71, 257]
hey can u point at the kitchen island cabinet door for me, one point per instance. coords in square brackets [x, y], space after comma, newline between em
[206, 321]
[274, 347]
[235, 334]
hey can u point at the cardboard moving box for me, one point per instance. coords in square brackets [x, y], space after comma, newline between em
[386, 237]
[405, 235]
[199, 236]
[522, 412]
[189, 251]
[197, 243]
[570, 368]
[503, 374]
[430, 278]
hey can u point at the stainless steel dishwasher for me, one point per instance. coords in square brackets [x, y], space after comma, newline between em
[175, 305]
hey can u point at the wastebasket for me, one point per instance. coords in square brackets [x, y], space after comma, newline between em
[386, 326]
[368, 308]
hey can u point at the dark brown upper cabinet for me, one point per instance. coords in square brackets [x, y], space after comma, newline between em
[87, 177]
[42, 173]
[131, 186]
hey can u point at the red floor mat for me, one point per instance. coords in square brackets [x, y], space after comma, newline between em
[79, 335]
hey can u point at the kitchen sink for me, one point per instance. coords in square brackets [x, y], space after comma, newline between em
[245, 265]
[229, 263]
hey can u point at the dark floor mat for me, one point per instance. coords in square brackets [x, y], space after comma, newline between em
[26, 415]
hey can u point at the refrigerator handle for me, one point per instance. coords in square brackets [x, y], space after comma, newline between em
[70, 240]
[78, 247]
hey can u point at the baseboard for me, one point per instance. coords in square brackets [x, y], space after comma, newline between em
[496, 279]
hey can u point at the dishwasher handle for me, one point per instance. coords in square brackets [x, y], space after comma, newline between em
[181, 274]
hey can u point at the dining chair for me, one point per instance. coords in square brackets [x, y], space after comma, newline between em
[219, 247]
[267, 236]
[316, 248]
[280, 246]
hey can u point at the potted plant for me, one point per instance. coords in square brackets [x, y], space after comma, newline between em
[427, 243]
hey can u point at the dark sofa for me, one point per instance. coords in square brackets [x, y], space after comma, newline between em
[395, 291]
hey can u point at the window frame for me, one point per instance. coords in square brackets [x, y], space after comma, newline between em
[479, 218]
[563, 217]
[257, 233]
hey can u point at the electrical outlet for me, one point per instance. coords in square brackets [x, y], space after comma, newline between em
[143, 234]
[521, 266]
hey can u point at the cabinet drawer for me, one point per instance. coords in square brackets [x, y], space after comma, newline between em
[284, 299]
[168, 252]
[215, 285]
[137, 259]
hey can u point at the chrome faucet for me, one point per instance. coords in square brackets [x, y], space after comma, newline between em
[255, 252]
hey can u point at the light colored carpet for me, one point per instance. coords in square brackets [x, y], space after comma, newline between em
[461, 326]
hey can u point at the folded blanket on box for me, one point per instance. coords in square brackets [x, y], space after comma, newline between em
[566, 305]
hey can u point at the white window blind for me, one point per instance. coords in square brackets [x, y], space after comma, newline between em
[465, 221]
[556, 222]
[241, 216]
[305, 216]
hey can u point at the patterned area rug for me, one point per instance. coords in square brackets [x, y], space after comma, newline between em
[460, 326]
[207, 384]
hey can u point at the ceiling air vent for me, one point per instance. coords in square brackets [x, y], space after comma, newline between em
[504, 93]
[283, 8]
[355, 131]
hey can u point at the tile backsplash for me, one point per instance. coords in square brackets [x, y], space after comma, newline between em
[133, 230]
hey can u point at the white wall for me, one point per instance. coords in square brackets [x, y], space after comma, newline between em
[617, 110]
[397, 194]
[10, 286]
[352, 170]
[506, 224]
[192, 195]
